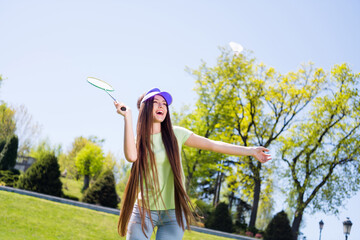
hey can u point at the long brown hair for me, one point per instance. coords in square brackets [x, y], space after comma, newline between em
[144, 172]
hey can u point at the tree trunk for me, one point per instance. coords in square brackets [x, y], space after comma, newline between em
[255, 206]
[86, 182]
[217, 188]
[231, 199]
[296, 223]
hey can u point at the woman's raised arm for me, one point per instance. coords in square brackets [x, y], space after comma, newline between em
[197, 141]
[129, 138]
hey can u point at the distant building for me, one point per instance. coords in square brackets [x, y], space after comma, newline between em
[24, 162]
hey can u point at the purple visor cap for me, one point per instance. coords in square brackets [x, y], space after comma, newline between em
[156, 91]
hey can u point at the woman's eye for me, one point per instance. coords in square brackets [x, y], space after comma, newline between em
[157, 103]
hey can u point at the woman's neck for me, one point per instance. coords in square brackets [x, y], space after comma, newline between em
[156, 128]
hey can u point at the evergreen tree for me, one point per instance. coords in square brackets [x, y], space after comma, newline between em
[241, 209]
[43, 176]
[220, 219]
[103, 191]
[2, 144]
[9, 177]
[279, 228]
[8, 153]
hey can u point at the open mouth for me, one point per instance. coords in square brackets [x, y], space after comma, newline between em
[160, 112]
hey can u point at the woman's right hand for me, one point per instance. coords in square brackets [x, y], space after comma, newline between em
[118, 107]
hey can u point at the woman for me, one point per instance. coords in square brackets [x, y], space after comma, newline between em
[155, 194]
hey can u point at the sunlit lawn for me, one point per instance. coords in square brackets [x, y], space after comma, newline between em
[72, 187]
[25, 217]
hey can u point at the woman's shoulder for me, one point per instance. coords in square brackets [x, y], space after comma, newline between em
[178, 128]
[181, 131]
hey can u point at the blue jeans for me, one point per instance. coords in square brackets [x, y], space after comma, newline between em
[167, 226]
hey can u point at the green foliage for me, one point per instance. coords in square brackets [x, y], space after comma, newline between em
[266, 206]
[9, 177]
[67, 161]
[43, 149]
[279, 228]
[241, 209]
[220, 219]
[89, 161]
[123, 177]
[103, 191]
[247, 104]
[2, 144]
[7, 122]
[199, 166]
[203, 209]
[253, 230]
[110, 163]
[43, 176]
[321, 153]
[8, 153]
[85, 158]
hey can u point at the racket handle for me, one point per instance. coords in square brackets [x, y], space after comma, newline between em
[123, 108]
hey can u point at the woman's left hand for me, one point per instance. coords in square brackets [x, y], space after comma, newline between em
[260, 155]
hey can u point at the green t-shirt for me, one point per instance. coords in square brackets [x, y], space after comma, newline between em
[165, 174]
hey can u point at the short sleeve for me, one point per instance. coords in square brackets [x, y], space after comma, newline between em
[182, 134]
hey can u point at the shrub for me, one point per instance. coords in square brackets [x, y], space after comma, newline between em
[103, 191]
[71, 197]
[8, 153]
[43, 176]
[254, 230]
[202, 212]
[220, 219]
[279, 228]
[203, 209]
[242, 208]
[249, 234]
[9, 177]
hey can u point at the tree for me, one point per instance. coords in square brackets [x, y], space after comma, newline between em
[7, 122]
[67, 160]
[220, 219]
[26, 129]
[279, 228]
[203, 210]
[89, 162]
[123, 176]
[9, 177]
[321, 153]
[110, 163]
[43, 176]
[253, 105]
[241, 209]
[201, 166]
[8, 153]
[44, 148]
[103, 191]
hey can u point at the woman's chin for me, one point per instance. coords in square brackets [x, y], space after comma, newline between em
[159, 120]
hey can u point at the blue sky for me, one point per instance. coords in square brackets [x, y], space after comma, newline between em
[48, 48]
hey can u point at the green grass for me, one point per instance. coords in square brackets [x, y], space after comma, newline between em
[24, 217]
[72, 187]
